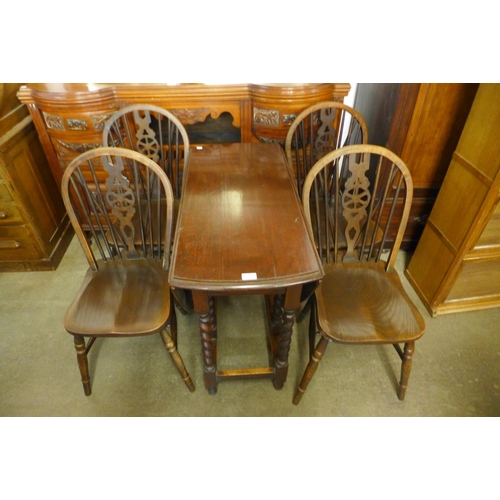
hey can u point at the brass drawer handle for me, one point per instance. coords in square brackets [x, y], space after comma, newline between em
[3, 215]
[9, 244]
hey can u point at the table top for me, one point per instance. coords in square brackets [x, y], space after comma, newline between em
[241, 225]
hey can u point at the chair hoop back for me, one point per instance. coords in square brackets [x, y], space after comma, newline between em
[153, 132]
[318, 130]
[104, 190]
[364, 216]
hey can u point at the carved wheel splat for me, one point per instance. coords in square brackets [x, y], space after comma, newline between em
[325, 141]
[355, 198]
[147, 143]
[120, 198]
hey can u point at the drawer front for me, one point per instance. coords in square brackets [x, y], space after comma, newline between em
[10, 215]
[16, 244]
[5, 193]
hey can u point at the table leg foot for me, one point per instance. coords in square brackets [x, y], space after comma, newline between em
[279, 384]
[284, 341]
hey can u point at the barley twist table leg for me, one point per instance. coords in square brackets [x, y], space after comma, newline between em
[285, 339]
[204, 307]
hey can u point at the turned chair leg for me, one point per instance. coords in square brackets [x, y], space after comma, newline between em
[311, 369]
[83, 363]
[172, 321]
[313, 325]
[176, 358]
[407, 359]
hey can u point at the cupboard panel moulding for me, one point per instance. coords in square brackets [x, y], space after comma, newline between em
[465, 216]
[468, 194]
[433, 269]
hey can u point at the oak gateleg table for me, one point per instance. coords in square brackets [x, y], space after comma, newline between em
[241, 230]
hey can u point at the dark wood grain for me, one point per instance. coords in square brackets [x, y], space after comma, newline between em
[240, 215]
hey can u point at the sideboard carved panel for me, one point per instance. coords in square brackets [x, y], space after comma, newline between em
[269, 117]
[69, 118]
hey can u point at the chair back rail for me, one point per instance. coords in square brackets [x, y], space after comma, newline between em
[318, 130]
[124, 215]
[363, 216]
[155, 133]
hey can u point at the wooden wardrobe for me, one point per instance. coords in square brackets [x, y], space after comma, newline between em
[421, 123]
[456, 265]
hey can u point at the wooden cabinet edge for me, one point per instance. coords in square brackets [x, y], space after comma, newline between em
[420, 293]
[468, 304]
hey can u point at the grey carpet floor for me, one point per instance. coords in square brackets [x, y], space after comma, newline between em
[456, 368]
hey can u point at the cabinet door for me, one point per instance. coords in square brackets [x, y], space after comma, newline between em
[456, 263]
[438, 117]
[36, 192]
[421, 123]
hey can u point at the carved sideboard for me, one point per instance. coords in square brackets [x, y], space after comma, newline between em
[69, 118]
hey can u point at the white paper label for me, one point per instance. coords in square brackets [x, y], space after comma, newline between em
[248, 276]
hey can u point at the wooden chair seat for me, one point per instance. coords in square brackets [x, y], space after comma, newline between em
[364, 304]
[125, 298]
[361, 299]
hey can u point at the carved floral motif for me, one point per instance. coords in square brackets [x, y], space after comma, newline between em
[76, 124]
[270, 140]
[188, 116]
[53, 122]
[76, 147]
[269, 117]
[288, 119]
